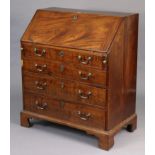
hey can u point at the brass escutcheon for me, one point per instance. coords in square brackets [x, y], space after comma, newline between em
[62, 85]
[75, 17]
[62, 103]
[62, 68]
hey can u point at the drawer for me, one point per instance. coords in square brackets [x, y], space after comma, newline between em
[72, 112]
[64, 89]
[77, 57]
[44, 52]
[80, 93]
[65, 70]
[36, 84]
[91, 59]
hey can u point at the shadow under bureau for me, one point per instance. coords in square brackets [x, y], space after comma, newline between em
[79, 70]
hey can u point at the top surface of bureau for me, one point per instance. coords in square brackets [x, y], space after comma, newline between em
[74, 30]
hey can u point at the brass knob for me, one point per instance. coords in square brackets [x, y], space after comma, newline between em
[40, 106]
[104, 61]
[21, 48]
[40, 85]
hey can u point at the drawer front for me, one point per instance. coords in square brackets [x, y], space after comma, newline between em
[77, 57]
[44, 52]
[36, 84]
[75, 113]
[67, 71]
[80, 93]
[88, 58]
[64, 89]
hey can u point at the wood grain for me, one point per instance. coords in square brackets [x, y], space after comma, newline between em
[69, 55]
[64, 89]
[65, 111]
[91, 32]
[79, 70]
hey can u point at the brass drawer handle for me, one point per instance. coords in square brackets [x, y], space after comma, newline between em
[84, 61]
[40, 68]
[84, 116]
[83, 95]
[104, 61]
[62, 68]
[39, 54]
[40, 106]
[84, 77]
[40, 85]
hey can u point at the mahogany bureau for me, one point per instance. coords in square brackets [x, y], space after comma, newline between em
[79, 70]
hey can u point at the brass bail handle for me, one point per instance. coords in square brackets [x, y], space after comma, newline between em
[40, 85]
[43, 52]
[40, 106]
[83, 95]
[40, 68]
[85, 77]
[75, 17]
[84, 61]
[84, 116]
